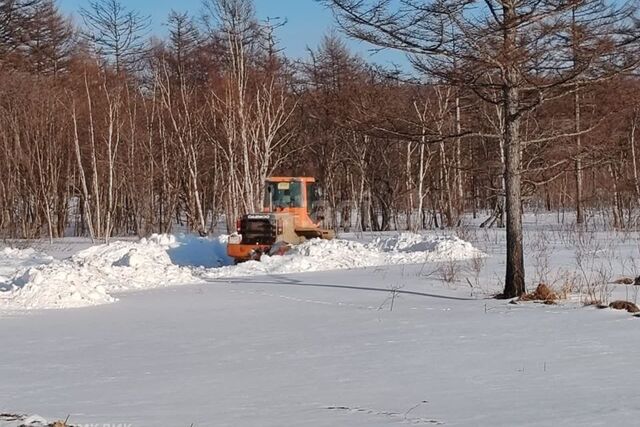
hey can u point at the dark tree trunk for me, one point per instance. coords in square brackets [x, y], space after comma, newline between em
[514, 284]
[578, 161]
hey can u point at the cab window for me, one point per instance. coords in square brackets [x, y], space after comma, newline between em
[283, 194]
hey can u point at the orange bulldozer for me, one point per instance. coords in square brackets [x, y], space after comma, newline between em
[291, 215]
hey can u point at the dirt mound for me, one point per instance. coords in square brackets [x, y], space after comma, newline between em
[625, 305]
[624, 281]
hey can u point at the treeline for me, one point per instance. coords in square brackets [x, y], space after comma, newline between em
[105, 130]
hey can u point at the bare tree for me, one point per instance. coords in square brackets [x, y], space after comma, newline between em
[117, 34]
[48, 38]
[14, 18]
[184, 38]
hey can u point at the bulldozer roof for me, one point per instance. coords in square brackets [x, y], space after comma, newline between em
[291, 178]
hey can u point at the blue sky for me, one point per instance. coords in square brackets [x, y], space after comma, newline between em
[307, 22]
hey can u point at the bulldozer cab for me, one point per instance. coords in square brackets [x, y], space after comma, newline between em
[282, 195]
[300, 196]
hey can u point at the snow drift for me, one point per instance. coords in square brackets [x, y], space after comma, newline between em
[14, 420]
[320, 255]
[94, 275]
[12, 259]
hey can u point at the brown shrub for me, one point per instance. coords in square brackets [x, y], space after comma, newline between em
[624, 281]
[542, 293]
[625, 305]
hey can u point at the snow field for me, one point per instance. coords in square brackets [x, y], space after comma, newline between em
[396, 344]
[33, 280]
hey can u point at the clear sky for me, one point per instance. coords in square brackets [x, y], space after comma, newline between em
[307, 22]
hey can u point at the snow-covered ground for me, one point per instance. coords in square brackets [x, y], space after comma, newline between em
[372, 330]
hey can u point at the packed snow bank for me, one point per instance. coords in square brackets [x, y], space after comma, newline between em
[191, 251]
[11, 420]
[12, 260]
[92, 275]
[318, 255]
[434, 248]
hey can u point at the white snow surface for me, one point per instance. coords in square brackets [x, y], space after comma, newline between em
[97, 274]
[389, 345]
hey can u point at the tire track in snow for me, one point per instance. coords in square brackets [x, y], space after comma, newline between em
[396, 416]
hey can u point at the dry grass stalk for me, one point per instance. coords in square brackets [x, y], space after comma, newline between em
[542, 293]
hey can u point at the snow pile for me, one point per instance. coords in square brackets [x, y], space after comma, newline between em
[192, 251]
[90, 276]
[405, 242]
[124, 254]
[319, 255]
[57, 285]
[22, 254]
[13, 260]
[433, 248]
[14, 420]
